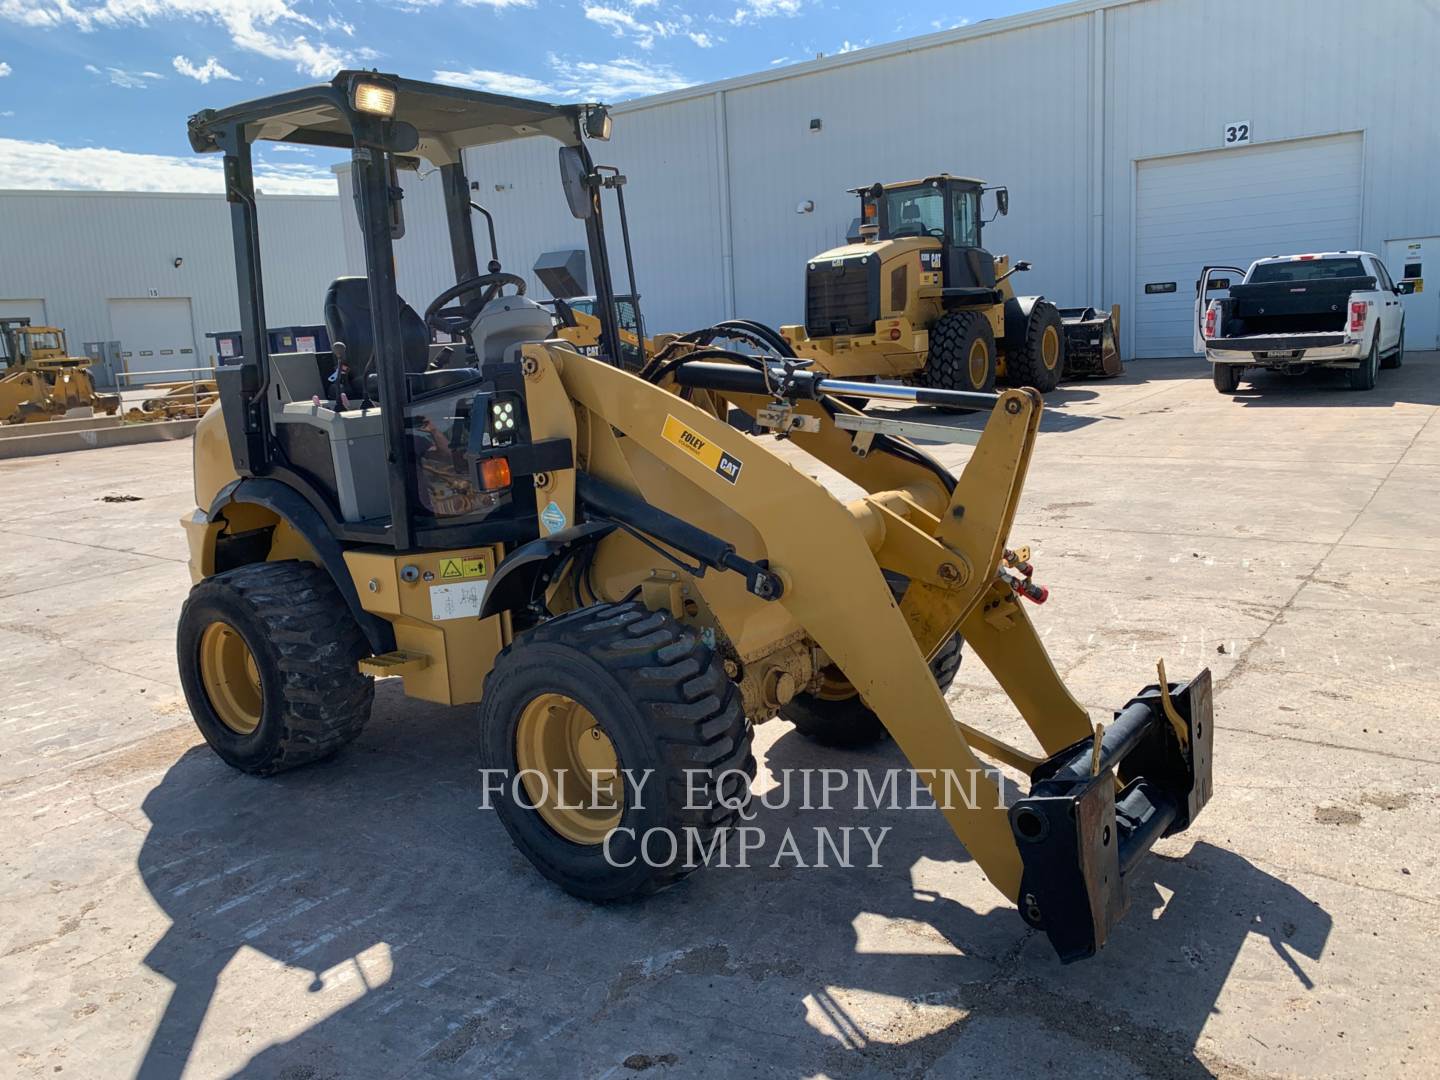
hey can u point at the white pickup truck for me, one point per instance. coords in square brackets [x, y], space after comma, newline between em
[1335, 309]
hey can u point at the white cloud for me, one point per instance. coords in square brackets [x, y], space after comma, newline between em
[127, 80]
[498, 5]
[575, 80]
[5, 69]
[704, 40]
[46, 166]
[270, 28]
[497, 82]
[621, 22]
[949, 24]
[616, 80]
[211, 69]
[754, 10]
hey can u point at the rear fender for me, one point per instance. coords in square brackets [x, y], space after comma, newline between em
[259, 520]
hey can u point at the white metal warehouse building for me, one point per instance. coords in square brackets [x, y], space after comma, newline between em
[156, 272]
[1139, 139]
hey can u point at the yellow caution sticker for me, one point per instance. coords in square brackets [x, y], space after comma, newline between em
[458, 569]
[721, 462]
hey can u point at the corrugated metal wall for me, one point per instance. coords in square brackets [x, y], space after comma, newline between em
[78, 250]
[1058, 105]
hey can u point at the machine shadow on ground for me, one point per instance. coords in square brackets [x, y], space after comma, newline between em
[494, 971]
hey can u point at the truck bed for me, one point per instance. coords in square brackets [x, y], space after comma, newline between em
[1309, 306]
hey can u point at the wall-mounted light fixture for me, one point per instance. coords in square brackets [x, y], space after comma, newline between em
[815, 124]
[178, 262]
[805, 206]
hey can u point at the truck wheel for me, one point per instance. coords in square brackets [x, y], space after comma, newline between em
[1227, 377]
[622, 748]
[1363, 377]
[962, 354]
[267, 656]
[1397, 358]
[1036, 357]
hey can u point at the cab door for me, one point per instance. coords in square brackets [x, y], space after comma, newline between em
[1392, 313]
[1214, 284]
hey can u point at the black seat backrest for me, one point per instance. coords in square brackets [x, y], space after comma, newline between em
[347, 319]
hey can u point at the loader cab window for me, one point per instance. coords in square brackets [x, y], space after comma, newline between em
[965, 218]
[917, 211]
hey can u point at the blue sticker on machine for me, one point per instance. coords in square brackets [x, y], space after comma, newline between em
[553, 517]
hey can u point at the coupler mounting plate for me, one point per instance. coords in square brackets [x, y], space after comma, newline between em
[1094, 811]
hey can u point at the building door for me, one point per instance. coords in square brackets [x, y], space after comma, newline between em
[1407, 260]
[1228, 208]
[157, 339]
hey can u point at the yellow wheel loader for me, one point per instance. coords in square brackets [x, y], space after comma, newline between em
[619, 581]
[916, 296]
[39, 380]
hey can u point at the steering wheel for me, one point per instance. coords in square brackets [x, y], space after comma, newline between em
[456, 320]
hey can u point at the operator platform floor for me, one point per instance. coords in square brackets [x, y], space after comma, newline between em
[161, 915]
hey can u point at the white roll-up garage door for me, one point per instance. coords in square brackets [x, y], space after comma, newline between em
[1230, 207]
[156, 336]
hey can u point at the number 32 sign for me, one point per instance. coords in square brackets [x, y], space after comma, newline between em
[1237, 133]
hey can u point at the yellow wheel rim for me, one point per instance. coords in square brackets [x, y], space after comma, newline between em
[569, 768]
[979, 363]
[1050, 348]
[231, 678]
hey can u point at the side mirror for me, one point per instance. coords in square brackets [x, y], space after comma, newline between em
[1022, 265]
[1002, 200]
[575, 177]
[1405, 288]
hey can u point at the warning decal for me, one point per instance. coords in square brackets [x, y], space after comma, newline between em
[459, 569]
[702, 449]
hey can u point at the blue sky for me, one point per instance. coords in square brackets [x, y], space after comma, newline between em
[94, 93]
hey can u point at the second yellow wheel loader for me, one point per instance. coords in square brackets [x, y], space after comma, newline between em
[619, 582]
[916, 296]
[39, 380]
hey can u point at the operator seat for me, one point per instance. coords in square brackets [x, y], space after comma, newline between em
[347, 319]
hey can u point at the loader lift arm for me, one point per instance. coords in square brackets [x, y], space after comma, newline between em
[951, 544]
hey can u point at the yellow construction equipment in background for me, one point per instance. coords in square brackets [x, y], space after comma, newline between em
[39, 380]
[916, 296]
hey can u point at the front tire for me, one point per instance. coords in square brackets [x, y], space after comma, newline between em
[961, 355]
[1226, 377]
[1035, 355]
[267, 655]
[634, 715]
[1363, 377]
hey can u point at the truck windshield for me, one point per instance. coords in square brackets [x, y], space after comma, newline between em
[1306, 270]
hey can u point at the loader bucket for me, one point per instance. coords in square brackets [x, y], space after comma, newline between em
[1092, 342]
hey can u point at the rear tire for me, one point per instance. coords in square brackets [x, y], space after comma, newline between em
[666, 710]
[267, 656]
[1036, 356]
[1363, 377]
[1226, 376]
[961, 356]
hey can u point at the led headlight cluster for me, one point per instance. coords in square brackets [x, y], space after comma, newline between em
[502, 416]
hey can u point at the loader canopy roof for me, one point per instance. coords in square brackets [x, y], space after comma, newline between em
[942, 178]
[431, 120]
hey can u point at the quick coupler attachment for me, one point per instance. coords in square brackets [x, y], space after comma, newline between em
[1097, 807]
